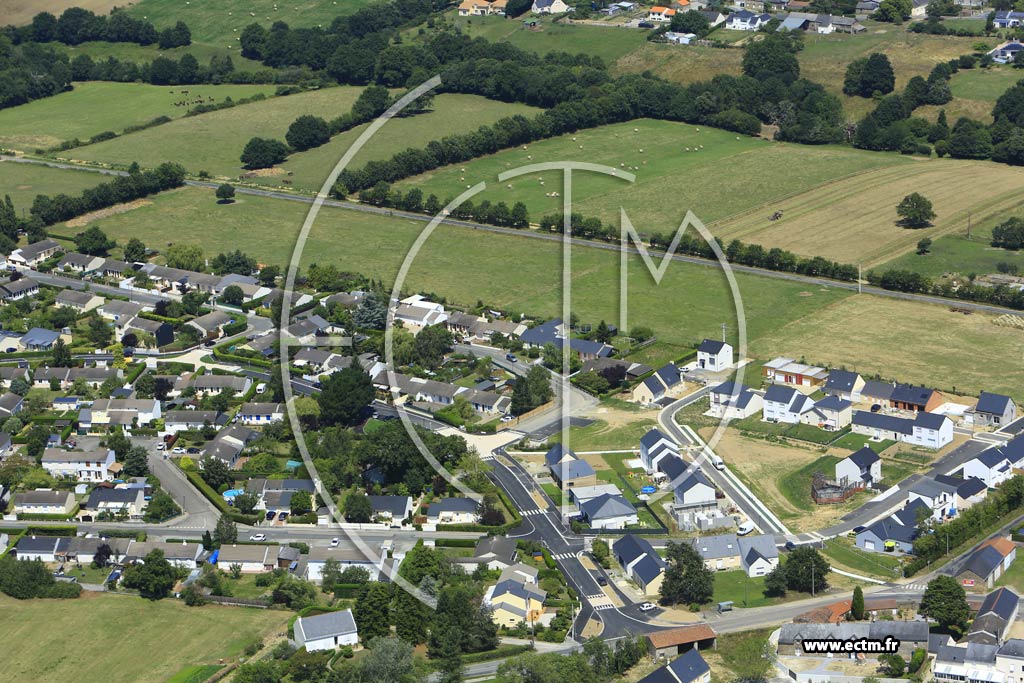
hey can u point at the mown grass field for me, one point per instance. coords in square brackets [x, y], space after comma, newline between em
[602, 436]
[24, 181]
[854, 220]
[86, 110]
[984, 84]
[451, 114]
[679, 167]
[222, 22]
[607, 42]
[213, 142]
[140, 54]
[155, 640]
[843, 552]
[957, 254]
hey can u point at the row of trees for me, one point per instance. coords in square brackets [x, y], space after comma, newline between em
[77, 25]
[30, 72]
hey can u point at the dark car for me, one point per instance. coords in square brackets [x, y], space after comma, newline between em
[193, 451]
[283, 516]
[790, 546]
[601, 581]
[511, 357]
[645, 24]
[270, 515]
[875, 408]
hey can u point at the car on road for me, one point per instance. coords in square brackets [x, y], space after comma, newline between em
[178, 451]
[744, 528]
[601, 581]
[258, 537]
[790, 546]
[161, 446]
[335, 541]
[507, 418]
[209, 344]
[511, 358]
[282, 516]
[647, 607]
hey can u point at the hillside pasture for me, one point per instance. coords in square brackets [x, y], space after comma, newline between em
[609, 42]
[141, 54]
[450, 114]
[18, 12]
[86, 110]
[681, 63]
[213, 141]
[679, 167]
[24, 181]
[956, 254]
[43, 637]
[853, 220]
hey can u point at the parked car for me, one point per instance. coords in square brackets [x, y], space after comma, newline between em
[601, 581]
[270, 514]
[258, 537]
[647, 607]
[790, 546]
[178, 450]
[161, 446]
[193, 451]
[282, 516]
[511, 357]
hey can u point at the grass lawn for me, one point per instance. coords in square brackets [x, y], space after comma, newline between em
[140, 54]
[735, 584]
[1013, 577]
[601, 436]
[661, 154]
[165, 636]
[195, 674]
[86, 111]
[451, 114]
[555, 493]
[24, 181]
[607, 42]
[223, 21]
[796, 486]
[957, 254]
[245, 587]
[984, 84]
[843, 553]
[213, 142]
[854, 442]
[17, 12]
[88, 574]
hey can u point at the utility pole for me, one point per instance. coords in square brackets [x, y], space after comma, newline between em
[812, 579]
[723, 331]
[860, 281]
[968, 225]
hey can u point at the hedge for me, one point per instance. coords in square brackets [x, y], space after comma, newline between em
[455, 542]
[148, 315]
[52, 530]
[139, 536]
[218, 500]
[347, 590]
[234, 328]
[40, 517]
[137, 369]
[13, 541]
[221, 354]
[500, 652]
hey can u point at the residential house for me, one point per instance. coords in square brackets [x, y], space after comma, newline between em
[679, 38]
[91, 465]
[714, 355]
[258, 414]
[910, 635]
[609, 511]
[162, 333]
[695, 492]
[987, 562]
[640, 562]
[18, 289]
[417, 312]
[253, 559]
[719, 552]
[345, 557]
[120, 412]
[80, 263]
[93, 377]
[785, 404]
[714, 17]
[9, 373]
[844, 384]
[514, 602]
[661, 14]
[734, 401]
[209, 384]
[481, 8]
[44, 502]
[127, 502]
[938, 496]
[394, 509]
[211, 325]
[39, 339]
[1006, 53]
[549, 7]
[997, 613]
[654, 446]
[581, 494]
[914, 398]
[573, 472]
[555, 332]
[45, 376]
[519, 572]
[326, 631]
[969, 492]
[184, 555]
[453, 511]
[991, 466]
[930, 430]
[10, 404]
[494, 552]
[229, 443]
[918, 8]
[44, 548]
[669, 643]
[655, 387]
[994, 410]
[758, 554]
[847, 25]
[181, 420]
[887, 535]
[34, 254]
[788, 371]
[860, 468]
[115, 269]
[117, 311]
[745, 20]
[830, 413]
[80, 301]
[690, 667]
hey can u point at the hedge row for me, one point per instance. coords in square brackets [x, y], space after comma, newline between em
[455, 542]
[499, 652]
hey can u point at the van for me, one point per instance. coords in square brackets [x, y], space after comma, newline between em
[261, 387]
[745, 528]
[717, 462]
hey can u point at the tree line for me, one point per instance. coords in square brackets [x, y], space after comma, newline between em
[899, 280]
[77, 25]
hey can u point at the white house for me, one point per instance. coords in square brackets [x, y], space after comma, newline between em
[34, 254]
[253, 559]
[758, 554]
[345, 557]
[453, 511]
[1006, 19]
[326, 631]
[91, 465]
[257, 414]
[938, 496]
[695, 492]
[44, 502]
[735, 402]
[862, 466]
[654, 446]
[990, 466]
[830, 413]
[609, 511]
[714, 355]
[994, 410]
[661, 14]
[785, 404]
[926, 429]
[745, 20]
[549, 7]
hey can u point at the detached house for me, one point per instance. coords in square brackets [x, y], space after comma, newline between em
[661, 14]
[19, 289]
[844, 384]
[257, 414]
[914, 398]
[785, 404]
[1006, 53]
[44, 502]
[986, 564]
[567, 470]
[453, 511]
[734, 401]
[515, 602]
[640, 562]
[549, 7]
[745, 20]
[1002, 19]
[991, 466]
[34, 254]
[609, 511]
[860, 467]
[80, 263]
[656, 386]
[714, 355]
[788, 371]
[211, 325]
[91, 465]
[690, 667]
[654, 446]
[926, 429]
[830, 413]
[80, 301]
[326, 631]
[695, 492]
[994, 410]
[938, 496]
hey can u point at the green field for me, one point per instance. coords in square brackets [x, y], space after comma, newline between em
[86, 110]
[854, 442]
[154, 640]
[848, 556]
[957, 254]
[222, 22]
[197, 673]
[140, 54]
[601, 436]
[796, 486]
[607, 42]
[24, 181]
[451, 114]
[984, 84]
[213, 142]
[670, 179]
[734, 585]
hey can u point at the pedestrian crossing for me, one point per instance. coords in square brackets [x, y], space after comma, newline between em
[600, 601]
[563, 556]
[914, 586]
[533, 512]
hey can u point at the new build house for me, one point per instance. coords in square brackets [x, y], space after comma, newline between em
[714, 355]
[734, 401]
[785, 404]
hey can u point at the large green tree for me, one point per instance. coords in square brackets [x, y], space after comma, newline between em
[687, 580]
[807, 570]
[343, 397]
[915, 211]
[154, 578]
[945, 601]
[372, 611]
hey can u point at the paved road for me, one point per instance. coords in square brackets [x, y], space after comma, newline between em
[792, 277]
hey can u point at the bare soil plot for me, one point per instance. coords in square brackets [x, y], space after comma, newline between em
[19, 12]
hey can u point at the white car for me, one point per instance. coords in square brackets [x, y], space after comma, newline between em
[179, 451]
[335, 542]
[258, 537]
[647, 606]
[160, 446]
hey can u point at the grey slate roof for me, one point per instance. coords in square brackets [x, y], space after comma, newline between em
[690, 666]
[992, 404]
[864, 458]
[841, 380]
[711, 346]
[606, 506]
[877, 390]
[396, 505]
[982, 562]
[326, 625]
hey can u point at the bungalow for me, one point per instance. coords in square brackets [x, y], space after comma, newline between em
[417, 312]
[745, 20]
[519, 572]
[514, 602]
[714, 355]
[19, 289]
[79, 263]
[695, 492]
[494, 552]
[991, 466]
[121, 412]
[862, 467]
[80, 301]
[640, 562]
[161, 332]
[116, 310]
[844, 384]
[253, 559]
[181, 420]
[94, 377]
[661, 14]
[830, 413]
[183, 555]
[714, 17]
[326, 631]
[997, 613]
[257, 414]
[847, 25]
[44, 548]
[394, 509]
[91, 465]
[994, 410]
[986, 564]
[9, 373]
[209, 384]
[549, 7]
[887, 535]
[785, 404]
[609, 511]
[734, 401]
[229, 443]
[657, 385]
[788, 371]
[113, 268]
[34, 254]
[572, 472]
[914, 398]
[115, 502]
[10, 404]
[453, 511]
[1006, 53]
[211, 325]
[689, 668]
[346, 557]
[45, 377]
[555, 332]
[1004, 19]
[654, 446]
[39, 339]
[44, 502]
[758, 554]
[669, 643]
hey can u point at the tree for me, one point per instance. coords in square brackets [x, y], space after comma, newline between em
[216, 473]
[94, 242]
[225, 193]
[924, 246]
[330, 574]
[945, 601]
[301, 502]
[877, 76]
[263, 153]
[233, 295]
[153, 578]
[600, 552]
[372, 611]
[775, 582]
[915, 211]
[806, 570]
[857, 604]
[226, 532]
[307, 132]
[431, 344]
[690, 22]
[99, 332]
[61, 357]
[20, 386]
[136, 462]
[371, 313]
[246, 502]
[135, 250]
[257, 672]
[161, 507]
[531, 391]
[687, 580]
[185, 257]
[36, 441]
[389, 659]
[892, 664]
[354, 574]
[343, 397]
[358, 508]
[772, 58]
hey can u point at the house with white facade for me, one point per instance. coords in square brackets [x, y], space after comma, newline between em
[654, 446]
[695, 492]
[990, 466]
[93, 465]
[862, 467]
[785, 404]
[734, 401]
[714, 355]
[326, 631]
[259, 414]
